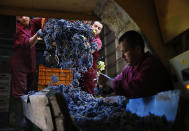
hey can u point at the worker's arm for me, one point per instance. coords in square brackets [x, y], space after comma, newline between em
[96, 45]
[144, 82]
[22, 39]
[37, 24]
[105, 81]
[135, 87]
[99, 43]
[33, 40]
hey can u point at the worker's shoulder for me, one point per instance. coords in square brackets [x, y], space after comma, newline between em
[152, 60]
[97, 39]
[35, 21]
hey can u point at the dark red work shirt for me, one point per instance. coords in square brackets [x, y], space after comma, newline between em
[87, 81]
[146, 78]
[24, 57]
[23, 60]
[96, 53]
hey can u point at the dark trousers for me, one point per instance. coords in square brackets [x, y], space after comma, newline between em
[22, 82]
[21, 121]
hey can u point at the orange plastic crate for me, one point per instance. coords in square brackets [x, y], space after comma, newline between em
[65, 76]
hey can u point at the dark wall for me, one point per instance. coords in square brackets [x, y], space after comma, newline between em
[7, 29]
[7, 24]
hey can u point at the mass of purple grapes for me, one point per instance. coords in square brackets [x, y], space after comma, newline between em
[89, 112]
[71, 48]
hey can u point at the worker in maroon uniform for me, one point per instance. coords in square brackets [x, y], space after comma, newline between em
[144, 75]
[87, 81]
[23, 60]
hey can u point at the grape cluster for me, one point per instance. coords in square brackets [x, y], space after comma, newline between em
[74, 43]
[90, 113]
[85, 107]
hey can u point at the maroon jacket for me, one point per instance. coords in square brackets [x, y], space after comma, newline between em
[96, 54]
[23, 60]
[87, 79]
[24, 57]
[146, 78]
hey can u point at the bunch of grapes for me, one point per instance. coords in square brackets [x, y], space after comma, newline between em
[89, 112]
[74, 43]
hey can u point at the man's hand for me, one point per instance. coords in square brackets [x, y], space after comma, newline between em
[109, 83]
[40, 33]
[105, 82]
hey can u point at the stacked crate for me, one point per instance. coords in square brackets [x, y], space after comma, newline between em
[65, 76]
[5, 83]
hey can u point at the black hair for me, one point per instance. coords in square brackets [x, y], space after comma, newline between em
[92, 22]
[133, 39]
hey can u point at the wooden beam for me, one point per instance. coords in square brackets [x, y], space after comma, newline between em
[47, 13]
